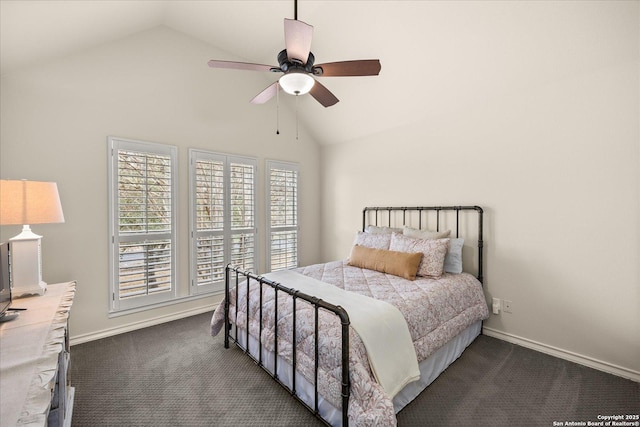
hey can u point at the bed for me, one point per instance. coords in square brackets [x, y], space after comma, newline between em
[367, 334]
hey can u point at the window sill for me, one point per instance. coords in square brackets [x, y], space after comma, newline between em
[179, 300]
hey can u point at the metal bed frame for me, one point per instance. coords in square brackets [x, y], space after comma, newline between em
[233, 278]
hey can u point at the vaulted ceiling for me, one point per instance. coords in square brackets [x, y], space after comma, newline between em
[436, 56]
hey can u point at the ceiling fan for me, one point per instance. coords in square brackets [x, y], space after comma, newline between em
[296, 62]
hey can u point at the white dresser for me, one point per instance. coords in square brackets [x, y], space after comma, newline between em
[34, 361]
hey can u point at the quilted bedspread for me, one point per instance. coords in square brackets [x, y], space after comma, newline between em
[436, 310]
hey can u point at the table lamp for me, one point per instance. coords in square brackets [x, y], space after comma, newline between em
[22, 203]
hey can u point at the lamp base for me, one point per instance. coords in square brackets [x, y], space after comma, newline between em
[26, 264]
[27, 290]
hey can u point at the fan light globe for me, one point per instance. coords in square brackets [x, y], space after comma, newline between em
[296, 83]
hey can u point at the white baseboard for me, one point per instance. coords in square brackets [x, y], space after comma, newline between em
[105, 333]
[564, 354]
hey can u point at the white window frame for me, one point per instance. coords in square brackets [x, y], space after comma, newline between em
[116, 237]
[228, 231]
[271, 228]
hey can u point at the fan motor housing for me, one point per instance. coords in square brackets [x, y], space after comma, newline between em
[286, 64]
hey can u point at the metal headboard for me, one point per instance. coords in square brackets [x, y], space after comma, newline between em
[369, 212]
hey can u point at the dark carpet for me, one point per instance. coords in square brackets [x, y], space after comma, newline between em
[176, 374]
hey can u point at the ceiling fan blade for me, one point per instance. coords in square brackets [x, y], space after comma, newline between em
[363, 67]
[297, 39]
[266, 94]
[241, 66]
[323, 95]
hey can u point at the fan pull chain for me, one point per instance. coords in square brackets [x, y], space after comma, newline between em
[277, 108]
[296, 117]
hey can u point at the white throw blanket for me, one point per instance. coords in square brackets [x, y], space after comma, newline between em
[381, 327]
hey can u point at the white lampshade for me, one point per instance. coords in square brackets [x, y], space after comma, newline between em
[296, 82]
[29, 202]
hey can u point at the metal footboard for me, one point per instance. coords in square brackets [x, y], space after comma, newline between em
[237, 277]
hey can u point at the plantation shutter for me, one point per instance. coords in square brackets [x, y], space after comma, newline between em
[209, 239]
[283, 215]
[223, 217]
[142, 194]
[242, 215]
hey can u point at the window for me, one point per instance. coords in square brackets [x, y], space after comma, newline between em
[223, 217]
[282, 211]
[142, 206]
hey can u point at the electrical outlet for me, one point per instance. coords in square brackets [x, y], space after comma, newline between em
[506, 305]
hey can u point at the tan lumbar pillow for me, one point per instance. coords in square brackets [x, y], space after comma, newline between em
[401, 264]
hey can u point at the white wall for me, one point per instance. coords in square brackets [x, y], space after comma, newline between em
[153, 86]
[550, 149]
[532, 111]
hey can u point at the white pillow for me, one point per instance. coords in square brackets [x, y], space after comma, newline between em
[453, 259]
[433, 252]
[372, 240]
[374, 229]
[425, 234]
